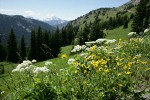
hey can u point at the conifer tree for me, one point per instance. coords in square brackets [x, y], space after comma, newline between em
[32, 51]
[0, 50]
[141, 17]
[95, 31]
[12, 48]
[22, 49]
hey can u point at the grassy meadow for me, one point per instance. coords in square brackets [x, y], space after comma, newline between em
[117, 70]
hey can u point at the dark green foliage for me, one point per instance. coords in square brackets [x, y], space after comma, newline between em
[32, 51]
[83, 35]
[2, 51]
[2, 71]
[41, 92]
[142, 16]
[95, 31]
[22, 49]
[12, 48]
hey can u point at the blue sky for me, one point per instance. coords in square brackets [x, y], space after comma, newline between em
[65, 9]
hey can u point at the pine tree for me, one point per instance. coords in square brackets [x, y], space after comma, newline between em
[141, 17]
[32, 51]
[12, 48]
[96, 32]
[22, 49]
[1, 50]
[40, 56]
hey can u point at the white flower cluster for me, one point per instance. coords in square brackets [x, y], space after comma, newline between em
[41, 69]
[71, 61]
[78, 48]
[34, 61]
[100, 41]
[48, 63]
[110, 41]
[25, 65]
[28, 66]
[146, 30]
[132, 34]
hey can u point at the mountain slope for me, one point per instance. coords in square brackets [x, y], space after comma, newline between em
[21, 26]
[104, 14]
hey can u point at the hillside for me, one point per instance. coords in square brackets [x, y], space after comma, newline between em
[104, 14]
[21, 26]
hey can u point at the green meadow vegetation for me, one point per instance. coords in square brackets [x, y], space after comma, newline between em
[111, 67]
[115, 71]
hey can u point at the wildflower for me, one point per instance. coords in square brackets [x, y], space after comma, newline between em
[120, 85]
[34, 61]
[76, 71]
[132, 34]
[71, 61]
[76, 63]
[119, 74]
[106, 71]
[41, 69]
[2, 92]
[85, 71]
[144, 62]
[146, 30]
[125, 67]
[147, 69]
[118, 63]
[93, 48]
[48, 63]
[84, 82]
[128, 73]
[110, 41]
[63, 56]
[100, 41]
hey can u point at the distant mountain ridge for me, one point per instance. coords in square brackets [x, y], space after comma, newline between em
[55, 21]
[21, 26]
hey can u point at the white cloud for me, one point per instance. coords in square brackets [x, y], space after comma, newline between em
[6, 10]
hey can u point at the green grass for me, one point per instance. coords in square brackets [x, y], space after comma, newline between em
[119, 33]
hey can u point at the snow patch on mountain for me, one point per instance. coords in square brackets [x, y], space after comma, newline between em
[54, 21]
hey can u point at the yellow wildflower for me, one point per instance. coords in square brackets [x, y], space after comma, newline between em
[120, 85]
[76, 63]
[119, 63]
[76, 71]
[63, 56]
[125, 67]
[128, 73]
[147, 69]
[144, 62]
[119, 74]
[93, 47]
[106, 71]
[85, 71]
[84, 82]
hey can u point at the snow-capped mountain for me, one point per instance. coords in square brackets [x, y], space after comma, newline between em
[55, 21]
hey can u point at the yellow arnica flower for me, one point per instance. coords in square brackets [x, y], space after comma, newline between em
[120, 85]
[128, 73]
[93, 47]
[106, 71]
[76, 71]
[119, 74]
[63, 56]
[84, 82]
[147, 69]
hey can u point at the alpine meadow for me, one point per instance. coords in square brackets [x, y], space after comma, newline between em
[101, 55]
